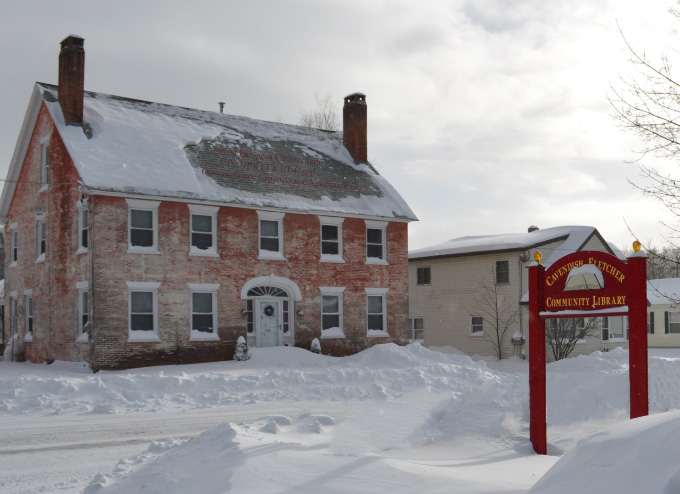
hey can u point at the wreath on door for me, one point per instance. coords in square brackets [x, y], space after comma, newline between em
[269, 311]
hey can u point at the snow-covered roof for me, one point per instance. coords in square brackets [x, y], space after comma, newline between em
[573, 239]
[151, 149]
[664, 291]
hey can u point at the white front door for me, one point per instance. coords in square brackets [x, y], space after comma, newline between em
[269, 322]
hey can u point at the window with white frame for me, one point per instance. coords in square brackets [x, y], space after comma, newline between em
[143, 226]
[331, 312]
[203, 310]
[502, 272]
[417, 328]
[614, 328]
[13, 244]
[376, 311]
[28, 312]
[143, 311]
[203, 230]
[40, 237]
[270, 235]
[44, 162]
[331, 238]
[476, 325]
[672, 322]
[83, 308]
[83, 226]
[375, 242]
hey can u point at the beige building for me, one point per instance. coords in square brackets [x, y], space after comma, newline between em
[470, 292]
[663, 313]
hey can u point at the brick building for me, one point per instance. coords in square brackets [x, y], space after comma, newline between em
[141, 233]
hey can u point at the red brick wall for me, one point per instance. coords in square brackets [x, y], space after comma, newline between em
[53, 282]
[237, 242]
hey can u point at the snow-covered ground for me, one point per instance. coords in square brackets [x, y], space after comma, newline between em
[388, 420]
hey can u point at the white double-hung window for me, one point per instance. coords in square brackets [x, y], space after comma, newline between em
[376, 311]
[332, 311]
[204, 311]
[143, 311]
[270, 235]
[143, 226]
[203, 230]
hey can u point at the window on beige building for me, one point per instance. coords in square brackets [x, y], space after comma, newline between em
[502, 272]
[476, 325]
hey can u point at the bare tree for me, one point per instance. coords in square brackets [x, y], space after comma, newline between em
[324, 117]
[562, 335]
[647, 104]
[497, 312]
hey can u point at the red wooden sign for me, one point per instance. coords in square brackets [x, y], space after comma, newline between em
[587, 284]
[584, 281]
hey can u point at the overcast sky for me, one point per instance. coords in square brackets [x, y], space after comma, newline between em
[486, 115]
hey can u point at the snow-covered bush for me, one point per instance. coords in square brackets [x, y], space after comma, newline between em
[316, 346]
[14, 351]
[241, 349]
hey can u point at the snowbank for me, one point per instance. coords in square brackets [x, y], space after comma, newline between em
[630, 457]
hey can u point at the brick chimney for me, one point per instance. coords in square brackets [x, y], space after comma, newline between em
[354, 126]
[72, 79]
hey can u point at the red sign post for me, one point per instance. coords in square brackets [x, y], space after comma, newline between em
[586, 284]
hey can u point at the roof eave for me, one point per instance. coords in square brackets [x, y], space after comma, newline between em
[20, 150]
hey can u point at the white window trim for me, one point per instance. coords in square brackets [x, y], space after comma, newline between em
[28, 294]
[270, 216]
[44, 163]
[152, 206]
[624, 327]
[40, 220]
[476, 334]
[377, 225]
[332, 221]
[13, 244]
[13, 313]
[336, 291]
[146, 336]
[374, 292]
[412, 330]
[211, 288]
[82, 207]
[81, 286]
[204, 211]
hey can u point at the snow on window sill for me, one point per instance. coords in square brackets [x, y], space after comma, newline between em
[83, 338]
[28, 337]
[143, 337]
[376, 260]
[327, 334]
[203, 252]
[203, 336]
[327, 258]
[41, 258]
[377, 333]
[13, 264]
[617, 340]
[477, 334]
[43, 188]
[142, 250]
[81, 250]
[276, 256]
